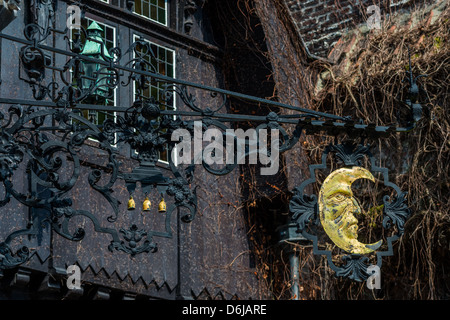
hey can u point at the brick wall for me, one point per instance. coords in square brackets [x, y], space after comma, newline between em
[322, 22]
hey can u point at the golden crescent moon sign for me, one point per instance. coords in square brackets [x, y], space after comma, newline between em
[337, 207]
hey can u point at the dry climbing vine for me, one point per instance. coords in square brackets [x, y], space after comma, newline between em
[367, 84]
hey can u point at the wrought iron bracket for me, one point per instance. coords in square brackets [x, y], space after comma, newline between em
[35, 132]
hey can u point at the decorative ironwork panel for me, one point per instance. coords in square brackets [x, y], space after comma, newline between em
[335, 207]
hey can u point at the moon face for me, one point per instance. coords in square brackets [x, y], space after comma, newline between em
[337, 207]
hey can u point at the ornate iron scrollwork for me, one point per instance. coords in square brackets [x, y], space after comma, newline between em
[21, 142]
[133, 236]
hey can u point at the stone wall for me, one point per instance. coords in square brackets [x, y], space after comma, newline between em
[321, 23]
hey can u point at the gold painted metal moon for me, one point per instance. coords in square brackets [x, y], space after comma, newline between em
[337, 207]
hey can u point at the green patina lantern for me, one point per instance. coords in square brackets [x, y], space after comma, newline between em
[95, 49]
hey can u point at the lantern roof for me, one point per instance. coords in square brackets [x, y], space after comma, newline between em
[94, 26]
[93, 48]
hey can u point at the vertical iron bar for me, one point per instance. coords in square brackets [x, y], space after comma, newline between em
[294, 263]
[178, 287]
[0, 61]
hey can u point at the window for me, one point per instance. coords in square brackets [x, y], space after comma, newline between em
[164, 63]
[155, 10]
[108, 35]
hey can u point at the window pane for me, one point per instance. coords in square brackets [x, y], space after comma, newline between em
[163, 155]
[153, 13]
[169, 57]
[162, 15]
[101, 117]
[162, 3]
[146, 92]
[154, 92]
[162, 68]
[170, 71]
[154, 49]
[154, 65]
[145, 12]
[138, 6]
[109, 34]
[162, 54]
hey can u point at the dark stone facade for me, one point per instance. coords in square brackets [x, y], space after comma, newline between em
[208, 258]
